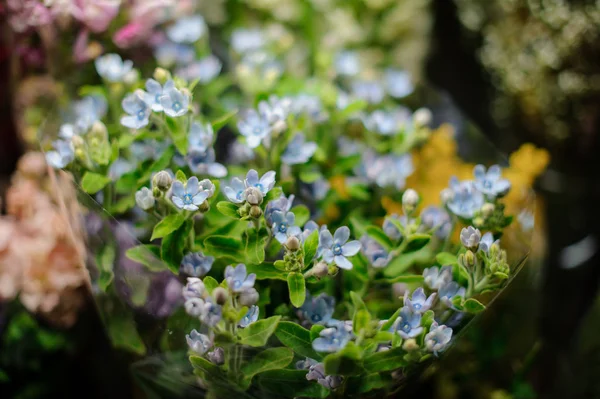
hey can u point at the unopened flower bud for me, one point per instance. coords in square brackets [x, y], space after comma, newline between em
[194, 307]
[255, 212]
[469, 258]
[220, 294]
[194, 288]
[446, 195]
[248, 297]
[279, 127]
[292, 243]
[320, 269]
[217, 356]
[204, 207]
[162, 180]
[253, 195]
[487, 209]
[77, 142]
[410, 345]
[131, 77]
[98, 129]
[410, 198]
[470, 237]
[186, 92]
[144, 198]
[422, 117]
[161, 75]
[494, 249]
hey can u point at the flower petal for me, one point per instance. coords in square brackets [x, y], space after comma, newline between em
[252, 178]
[351, 248]
[341, 235]
[267, 181]
[192, 186]
[325, 239]
[342, 262]
[178, 190]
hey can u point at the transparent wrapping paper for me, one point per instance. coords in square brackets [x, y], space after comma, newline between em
[141, 306]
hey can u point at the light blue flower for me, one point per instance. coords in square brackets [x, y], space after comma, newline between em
[235, 191]
[205, 69]
[193, 194]
[320, 188]
[408, 324]
[67, 131]
[196, 264]
[486, 243]
[112, 67]
[491, 182]
[187, 29]
[144, 198]
[398, 83]
[119, 167]
[347, 63]
[275, 110]
[437, 219]
[435, 278]
[449, 291]
[194, 288]
[386, 170]
[305, 364]
[336, 248]
[316, 372]
[419, 302]
[376, 255]
[317, 310]
[237, 278]
[250, 317]
[239, 153]
[348, 147]
[470, 237]
[298, 150]
[62, 155]
[465, 199]
[211, 313]
[282, 204]
[87, 111]
[174, 102]
[333, 338]
[203, 163]
[154, 92]
[438, 338]
[247, 40]
[369, 90]
[200, 137]
[283, 226]
[137, 109]
[390, 229]
[254, 128]
[309, 228]
[169, 53]
[387, 123]
[198, 343]
[306, 104]
[264, 184]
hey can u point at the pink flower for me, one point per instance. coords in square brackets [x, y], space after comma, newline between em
[83, 50]
[96, 14]
[26, 14]
[132, 34]
[151, 12]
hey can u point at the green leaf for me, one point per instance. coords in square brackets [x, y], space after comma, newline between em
[416, 242]
[224, 246]
[290, 384]
[173, 246]
[266, 271]
[168, 225]
[310, 247]
[297, 288]
[302, 214]
[269, 359]
[180, 176]
[310, 176]
[91, 182]
[228, 209]
[207, 368]
[353, 108]
[427, 319]
[345, 362]
[472, 305]
[122, 331]
[255, 246]
[297, 338]
[148, 255]
[408, 279]
[361, 320]
[273, 194]
[210, 284]
[105, 261]
[385, 361]
[315, 331]
[357, 302]
[388, 324]
[446, 258]
[223, 120]
[359, 191]
[257, 334]
[378, 235]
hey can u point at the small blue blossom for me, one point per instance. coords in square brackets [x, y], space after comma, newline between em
[282, 204]
[275, 110]
[154, 92]
[198, 343]
[465, 199]
[333, 338]
[486, 243]
[112, 67]
[408, 324]
[308, 229]
[398, 83]
[194, 288]
[283, 226]
[491, 182]
[526, 220]
[298, 150]
[419, 303]
[317, 310]
[376, 255]
[438, 338]
[255, 128]
[170, 53]
[320, 188]
[264, 184]
[347, 63]
[87, 111]
[387, 123]
[187, 29]
[196, 264]
[237, 278]
[306, 104]
[316, 372]
[144, 198]
[67, 131]
[211, 313]
[174, 102]
[235, 191]
[449, 291]
[305, 364]
[119, 167]
[250, 317]
[62, 155]
[205, 69]
[137, 109]
[369, 90]
[348, 147]
[203, 163]
[390, 229]
[435, 278]
[386, 170]
[193, 194]
[470, 237]
[247, 40]
[437, 219]
[336, 249]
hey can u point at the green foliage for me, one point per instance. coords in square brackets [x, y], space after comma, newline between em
[296, 338]
[91, 182]
[257, 334]
[297, 288]
[269, 359]
[167, 225]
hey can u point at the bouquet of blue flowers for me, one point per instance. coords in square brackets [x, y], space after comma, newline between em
[234, 215]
